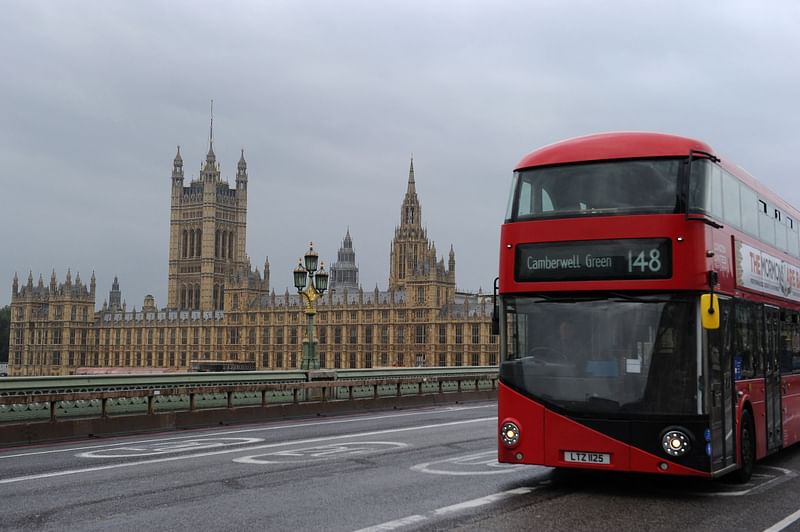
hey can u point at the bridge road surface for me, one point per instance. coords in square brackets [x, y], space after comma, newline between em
[420, 469]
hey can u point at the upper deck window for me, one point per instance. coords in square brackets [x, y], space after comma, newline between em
[635, 186]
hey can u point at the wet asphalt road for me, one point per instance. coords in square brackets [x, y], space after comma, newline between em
[424, 469]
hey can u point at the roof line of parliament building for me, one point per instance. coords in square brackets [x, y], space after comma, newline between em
[221, 313]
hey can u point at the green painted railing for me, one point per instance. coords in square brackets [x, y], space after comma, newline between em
[15, 385]
[28, 399]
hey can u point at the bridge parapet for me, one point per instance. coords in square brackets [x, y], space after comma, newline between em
[93, 406]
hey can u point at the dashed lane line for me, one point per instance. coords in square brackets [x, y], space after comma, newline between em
[447, 510]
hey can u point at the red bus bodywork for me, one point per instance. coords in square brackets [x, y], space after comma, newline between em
[698, 248]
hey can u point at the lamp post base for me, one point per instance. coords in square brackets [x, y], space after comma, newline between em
[310, 361]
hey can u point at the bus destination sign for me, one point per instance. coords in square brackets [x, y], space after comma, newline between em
[594, 260]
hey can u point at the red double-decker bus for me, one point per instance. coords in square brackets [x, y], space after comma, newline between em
[649, 310]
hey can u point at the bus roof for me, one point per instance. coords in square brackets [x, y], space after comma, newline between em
[639, 144]
[620, 145]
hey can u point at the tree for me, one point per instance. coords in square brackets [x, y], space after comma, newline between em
[5, 326]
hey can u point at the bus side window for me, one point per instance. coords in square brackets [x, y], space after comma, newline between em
[730, 200]
[792, 342]
[715, 185]
[785, 341]
[750, 209]
[747, 340]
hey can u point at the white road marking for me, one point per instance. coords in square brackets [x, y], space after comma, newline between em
[448, 510]
[323, 452]
[394, 525]
[483, 501]
[483, 463]
[786, 474]
[167, 447]
[241, 449]
[783, 523]
[270, 428]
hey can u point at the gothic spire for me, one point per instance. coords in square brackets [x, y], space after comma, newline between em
[211, 132]
[209, 170]
[411, 212]
[177, 165]
[412, 189]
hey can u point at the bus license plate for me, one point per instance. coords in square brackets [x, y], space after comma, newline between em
[587, 458]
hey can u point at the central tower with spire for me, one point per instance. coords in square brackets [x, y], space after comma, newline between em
[413, 263]
[344, 272]
[207, 241]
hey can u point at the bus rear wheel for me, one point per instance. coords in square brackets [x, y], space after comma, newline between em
[747, 448]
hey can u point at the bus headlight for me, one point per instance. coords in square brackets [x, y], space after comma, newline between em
[509, 434]
[676, 442]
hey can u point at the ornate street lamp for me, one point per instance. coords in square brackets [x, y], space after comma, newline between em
[310, 284]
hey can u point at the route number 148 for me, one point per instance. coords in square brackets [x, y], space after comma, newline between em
[644, 261]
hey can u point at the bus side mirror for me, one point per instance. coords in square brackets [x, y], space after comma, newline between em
[709, 310]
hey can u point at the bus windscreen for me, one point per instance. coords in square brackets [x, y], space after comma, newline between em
[634, 186]
[606, 355]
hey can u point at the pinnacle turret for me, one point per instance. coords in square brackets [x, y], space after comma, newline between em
[241, 171]
[177, 167]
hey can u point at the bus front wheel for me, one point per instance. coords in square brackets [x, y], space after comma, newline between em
[747, 448]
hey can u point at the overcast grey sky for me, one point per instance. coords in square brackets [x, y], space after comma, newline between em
[330, 99]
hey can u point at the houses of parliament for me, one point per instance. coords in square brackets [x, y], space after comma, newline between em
[222, 314]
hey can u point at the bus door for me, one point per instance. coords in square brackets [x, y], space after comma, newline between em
[720, 397]
[772, 374]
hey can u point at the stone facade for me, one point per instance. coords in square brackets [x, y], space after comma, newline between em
[222, 315]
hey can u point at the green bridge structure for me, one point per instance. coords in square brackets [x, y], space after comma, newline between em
[38, 409]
